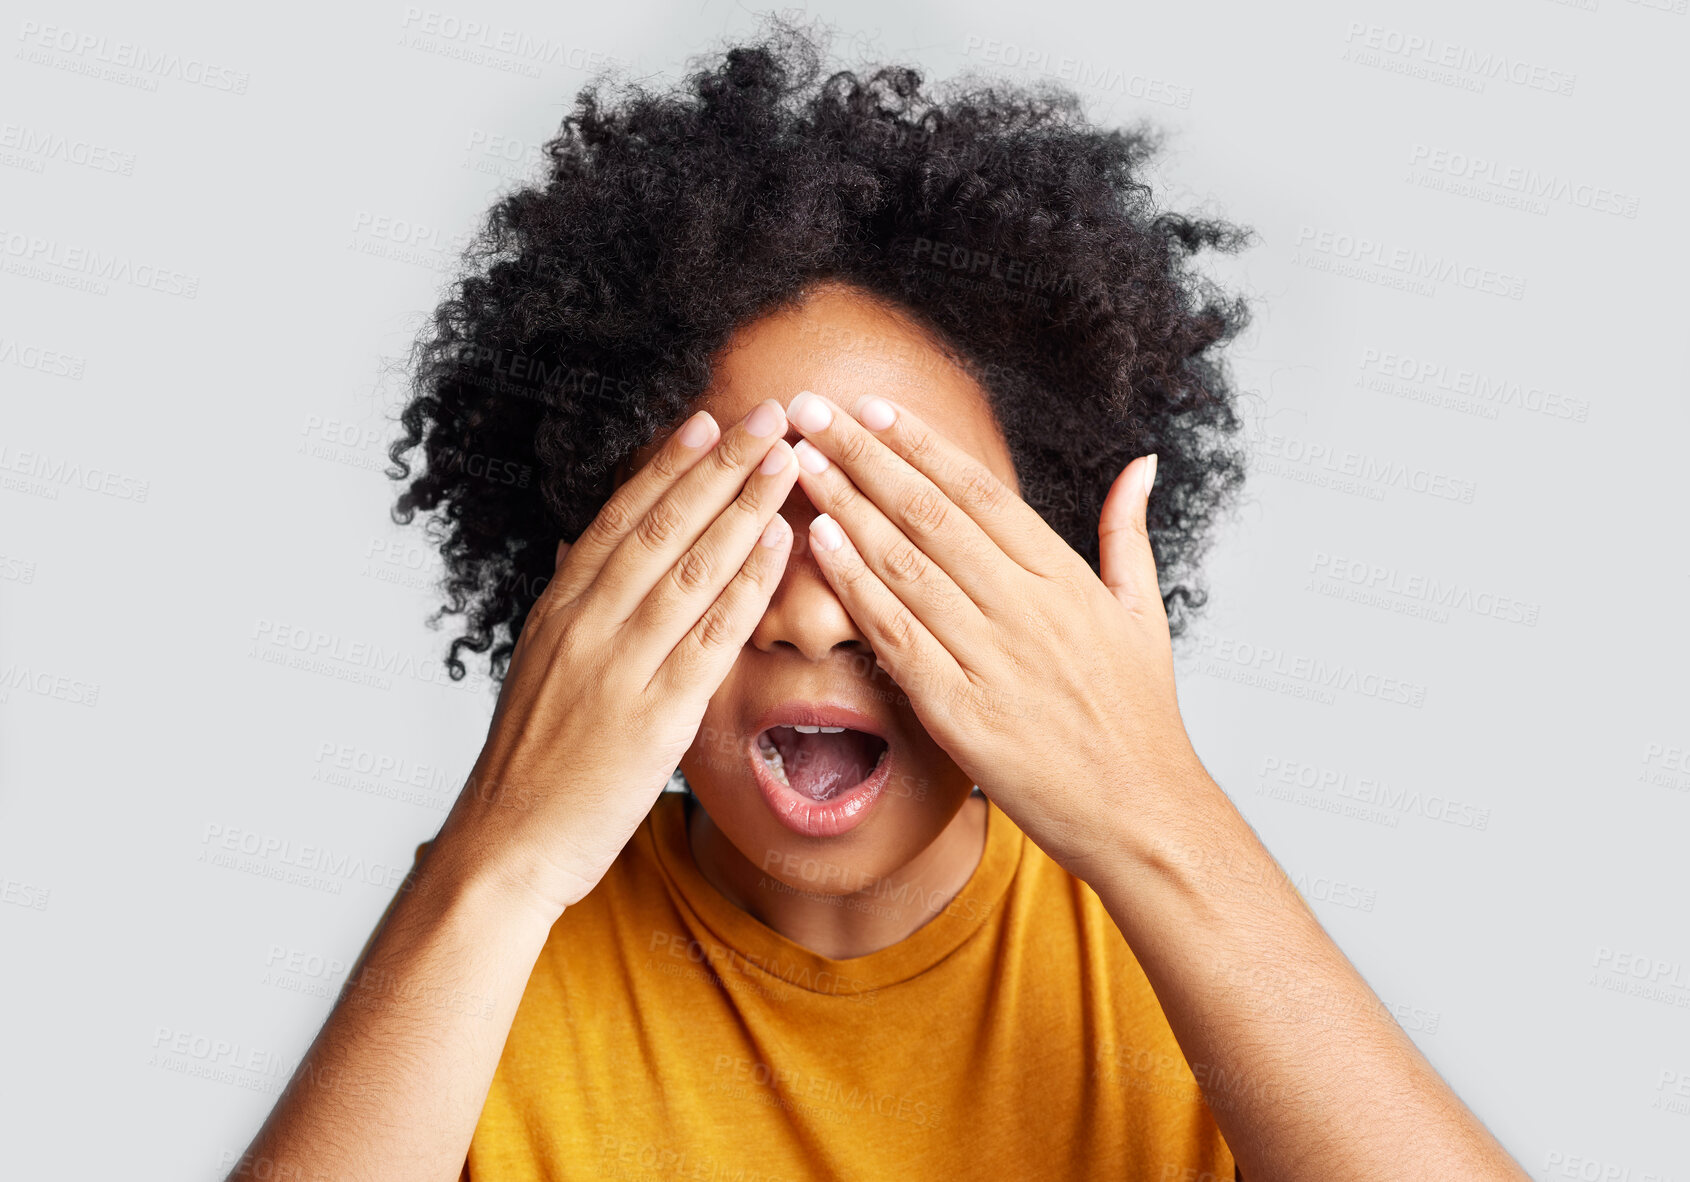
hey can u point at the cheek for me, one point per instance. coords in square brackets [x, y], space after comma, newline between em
[929, 781]
[717, 752]
[718, 755]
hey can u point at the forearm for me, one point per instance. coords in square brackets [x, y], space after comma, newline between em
[396, 1080]
[1306, 1072]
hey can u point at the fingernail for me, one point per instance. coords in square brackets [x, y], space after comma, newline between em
[775, 532]
[1150, 474]
[763, 421]
[826, 532]
[809, 412]
[697, 429]
[780, 455]
[875, 413]
[810, 457]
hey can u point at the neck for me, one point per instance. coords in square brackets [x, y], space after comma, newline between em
[841, 926]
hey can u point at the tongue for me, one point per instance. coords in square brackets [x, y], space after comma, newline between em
[823, 765]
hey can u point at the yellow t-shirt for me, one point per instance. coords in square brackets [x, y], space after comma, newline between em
[666, 1034]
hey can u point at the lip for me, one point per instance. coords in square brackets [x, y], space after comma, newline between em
[828, 818]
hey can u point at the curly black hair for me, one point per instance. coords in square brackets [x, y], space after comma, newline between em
[588, 308]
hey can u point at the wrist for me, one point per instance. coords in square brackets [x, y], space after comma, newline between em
[495, 870]
[508, 828]
[1180, 844]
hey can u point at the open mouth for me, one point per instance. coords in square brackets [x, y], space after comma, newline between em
[821, 763]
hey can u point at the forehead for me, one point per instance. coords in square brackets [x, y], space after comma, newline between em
[843, 344]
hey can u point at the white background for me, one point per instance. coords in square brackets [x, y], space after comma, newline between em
[1495, 451]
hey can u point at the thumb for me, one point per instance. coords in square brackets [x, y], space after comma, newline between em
[1127, 564]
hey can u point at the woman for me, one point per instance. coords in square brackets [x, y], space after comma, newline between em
[849, 404]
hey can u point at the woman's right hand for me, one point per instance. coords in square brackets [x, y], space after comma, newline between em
[620, 655]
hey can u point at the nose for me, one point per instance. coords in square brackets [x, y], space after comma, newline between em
[804, 615]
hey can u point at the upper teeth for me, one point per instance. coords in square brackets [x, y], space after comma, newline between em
[810, 730]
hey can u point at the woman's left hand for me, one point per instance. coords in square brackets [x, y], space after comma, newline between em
[1049, 686]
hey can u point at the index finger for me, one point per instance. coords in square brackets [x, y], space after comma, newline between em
[880, 443]
[628, 504]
